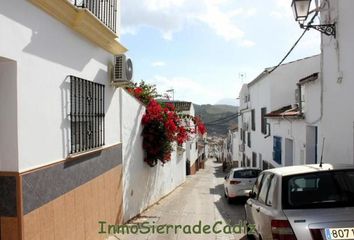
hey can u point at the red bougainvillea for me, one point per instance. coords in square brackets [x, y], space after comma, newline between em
[162, 125]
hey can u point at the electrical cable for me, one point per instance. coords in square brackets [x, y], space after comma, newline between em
[292, 48]
[227, 118]
[224, 118]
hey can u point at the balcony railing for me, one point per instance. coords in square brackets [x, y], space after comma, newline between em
[104, 10]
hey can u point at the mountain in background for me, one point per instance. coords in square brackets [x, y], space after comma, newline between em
[210, 113]
[228, 101]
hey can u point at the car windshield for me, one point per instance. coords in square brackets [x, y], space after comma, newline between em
[319, 190]
[247, 173]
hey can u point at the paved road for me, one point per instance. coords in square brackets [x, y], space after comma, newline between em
[200, 198]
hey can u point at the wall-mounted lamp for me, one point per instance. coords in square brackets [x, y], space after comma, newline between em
[301, 10]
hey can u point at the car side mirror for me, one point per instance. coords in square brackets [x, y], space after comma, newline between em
[251, 194]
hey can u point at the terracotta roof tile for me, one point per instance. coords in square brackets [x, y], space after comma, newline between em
[286, 111]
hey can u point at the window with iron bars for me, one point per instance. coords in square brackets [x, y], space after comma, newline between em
[87, 114]
[104, 10]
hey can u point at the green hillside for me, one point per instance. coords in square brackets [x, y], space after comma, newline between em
[210, 113]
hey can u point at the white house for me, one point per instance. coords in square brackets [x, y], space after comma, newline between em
[60, 141]
[267, 136]
[235, 142]
[295, 127]
[337, 114]
[244, 119]
[191, 146]
[231, 148]
[70, 143]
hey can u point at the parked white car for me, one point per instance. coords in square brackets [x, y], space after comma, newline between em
[239, 181]
[306, 202]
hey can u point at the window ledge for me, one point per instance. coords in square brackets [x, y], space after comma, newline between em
[83, 22]
[89, 152]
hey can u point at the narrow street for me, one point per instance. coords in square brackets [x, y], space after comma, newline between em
[200, 198]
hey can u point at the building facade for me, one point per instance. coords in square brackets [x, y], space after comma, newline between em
[191, 146]
[60, 141]
[272, 126]
[337, 115]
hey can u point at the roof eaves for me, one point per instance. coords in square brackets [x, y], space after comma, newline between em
[258, 78]
[309, 78]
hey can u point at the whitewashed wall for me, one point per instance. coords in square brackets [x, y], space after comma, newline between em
[143, 185]
[260, 93]
[337, 125]
[191, 150]
[277, 90]
[8, 113]
[284, 79]
[312, 109]
[46, 53]
[294, 130]
[235, 146]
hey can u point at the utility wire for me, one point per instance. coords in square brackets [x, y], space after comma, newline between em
[220, 122]
[292, 48]
[224, 119]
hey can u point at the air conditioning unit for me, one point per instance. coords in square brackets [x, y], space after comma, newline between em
[122, 70]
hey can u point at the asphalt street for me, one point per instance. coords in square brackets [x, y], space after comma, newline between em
[198, 202]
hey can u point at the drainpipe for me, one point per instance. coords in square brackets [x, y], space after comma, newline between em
[299, 100]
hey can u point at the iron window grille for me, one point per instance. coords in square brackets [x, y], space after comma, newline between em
[254, 159]
[253, 116]
[87, 114]
[243, 136]
[263, 120]
[104, 10]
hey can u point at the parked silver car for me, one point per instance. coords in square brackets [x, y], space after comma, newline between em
[240, 181]
[303, 202]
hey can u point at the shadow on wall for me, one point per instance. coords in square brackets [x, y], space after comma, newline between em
[9, 117]
[52, 40]
[138, 178]
[65, 108]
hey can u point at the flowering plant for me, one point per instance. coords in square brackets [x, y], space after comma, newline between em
[144, 92]
[162, 125]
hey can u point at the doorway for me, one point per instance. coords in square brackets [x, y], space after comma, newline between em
[289, 152]
[311, 144]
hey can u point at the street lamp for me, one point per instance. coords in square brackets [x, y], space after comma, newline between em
[301, 10]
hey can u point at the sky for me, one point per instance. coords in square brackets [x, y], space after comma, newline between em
[206, 49]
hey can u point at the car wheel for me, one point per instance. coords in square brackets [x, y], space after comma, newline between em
[249, 236]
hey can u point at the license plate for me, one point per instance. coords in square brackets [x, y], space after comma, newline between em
[339, 233]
